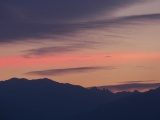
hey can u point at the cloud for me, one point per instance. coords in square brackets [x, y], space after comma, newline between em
[54, 50]
[21, 32]
[59, 10]
[55, 72]
[108, 56]
[138, 18]
[125, 20]
[23, 20]
[131, 86]
[138, 81]
[144, 67]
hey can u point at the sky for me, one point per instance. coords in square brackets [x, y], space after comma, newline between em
[82, 42]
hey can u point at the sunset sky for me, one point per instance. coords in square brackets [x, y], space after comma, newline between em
[82, 42]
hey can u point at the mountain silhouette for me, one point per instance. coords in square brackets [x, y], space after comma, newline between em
[22, 99]
[45, 99]
[143, 106]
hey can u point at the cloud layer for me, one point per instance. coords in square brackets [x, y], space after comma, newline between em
[54, 50]
[55, 72]
[58, 10]
[131, 86]
[21, 20]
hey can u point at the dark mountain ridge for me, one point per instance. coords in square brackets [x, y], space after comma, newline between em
[46, 99]
[22, 99]
[143, 106]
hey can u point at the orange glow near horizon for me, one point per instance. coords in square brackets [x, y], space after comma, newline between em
[125, 65]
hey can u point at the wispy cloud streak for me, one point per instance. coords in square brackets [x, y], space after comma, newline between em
[55, 72]
[55, 50]
[131, 86]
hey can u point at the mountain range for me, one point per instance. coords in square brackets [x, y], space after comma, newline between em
[45, 99]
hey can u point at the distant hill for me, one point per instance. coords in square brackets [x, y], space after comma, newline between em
[45, 99]
[144, 106]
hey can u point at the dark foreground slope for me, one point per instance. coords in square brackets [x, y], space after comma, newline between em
[144, 106]
[44, 99]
